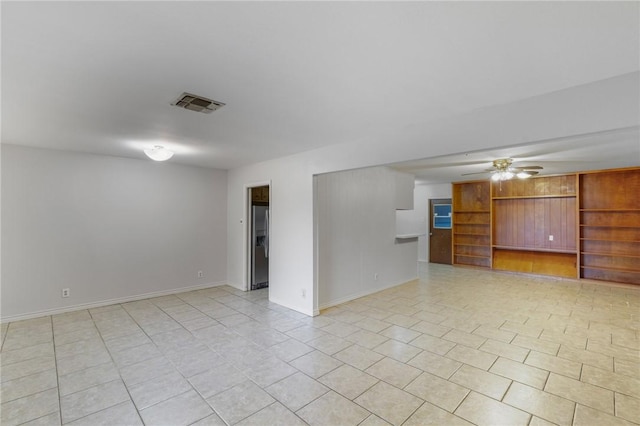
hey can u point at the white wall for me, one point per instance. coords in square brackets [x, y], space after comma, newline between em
[416, 221]
[356, 228]
[105, 227]
[604, 105]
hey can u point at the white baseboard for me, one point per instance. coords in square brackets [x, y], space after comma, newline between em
[358, 295]
[107, 302]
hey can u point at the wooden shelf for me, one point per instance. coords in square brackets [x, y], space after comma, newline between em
[471, 202]
[473, 255]
[610, 210]
[604, 268]
[472, 211]
[582, 225]
[466, 233]
[611, 254]
[524, 197]
[471, 245]
[538, 249]
[609, 240]
[471, 223]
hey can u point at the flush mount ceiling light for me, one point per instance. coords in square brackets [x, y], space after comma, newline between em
[158, 153]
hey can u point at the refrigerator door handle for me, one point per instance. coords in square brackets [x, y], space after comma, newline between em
[266, 233]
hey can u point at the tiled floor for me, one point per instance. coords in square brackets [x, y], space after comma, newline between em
[460, 346]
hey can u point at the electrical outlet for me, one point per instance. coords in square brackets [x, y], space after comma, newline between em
[66, 292]
[375, 276]
[550, 237]
[304, 293]
[200, 274]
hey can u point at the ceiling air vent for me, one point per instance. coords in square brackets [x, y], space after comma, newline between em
[197, 103]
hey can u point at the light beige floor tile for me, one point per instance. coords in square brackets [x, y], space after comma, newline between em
[29, 408]
[93, 344]
[431, 317]
[430, 415]
[341, 329]
[26, 368]
[542, 404]
[211, 420]
[538, 345]
[374, 420]
[440, 392]
[494, 333]
[393, 372]
[586, 416]
[372, 324]
[432, 344]
[89, 377]
[586, 357]
[465, 339]
[461, 323]
[136, 338]
[627, 368]
[47, 420]
[86, 333]
[329, 344]
[183, 409]
[367, 339]
[515, 353]
[435, 364]
[296, 391]
[41, 350]
[431, 329]
[290, 349]
[474, 357]
[554, 364]
[146, 370]
[397, 350]
[389, 403]
[400, 333]
[481, 410]
[481, 381]
[240, 402]
[402, 320]
[537, 421]
[612, 381]
[521, 329]
[577, 342]
[580, 392]
[522, 373]
[216, 380]
[92, 400]
[332, 409]
[189, 363]
[28, 385]
[81, 361]
[614, 350]
[348, 381]
[122, 414]
[316, 364]
[359, 357]
[159, 389]
[275, 414]
[267, 371]
[627, 407]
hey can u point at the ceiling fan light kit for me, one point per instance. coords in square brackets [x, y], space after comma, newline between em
[504, 170]
[158, 153]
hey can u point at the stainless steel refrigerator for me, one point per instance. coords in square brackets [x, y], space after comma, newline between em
[260, 247]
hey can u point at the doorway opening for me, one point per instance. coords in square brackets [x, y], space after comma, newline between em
[258, 237]
[440, 221]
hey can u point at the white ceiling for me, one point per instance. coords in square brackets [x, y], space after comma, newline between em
[99, 77]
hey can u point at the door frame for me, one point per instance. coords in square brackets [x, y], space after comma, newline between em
[431, 203]
[246, 234]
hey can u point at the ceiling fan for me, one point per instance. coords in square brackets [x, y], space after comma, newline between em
[503, 169]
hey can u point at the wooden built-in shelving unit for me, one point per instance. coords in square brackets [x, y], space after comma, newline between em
[610, 226]
[582, 225]
[472, 224]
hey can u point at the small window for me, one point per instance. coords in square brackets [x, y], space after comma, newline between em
[442, 216]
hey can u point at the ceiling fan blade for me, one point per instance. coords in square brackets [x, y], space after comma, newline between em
[528, 167]
[478, 173]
